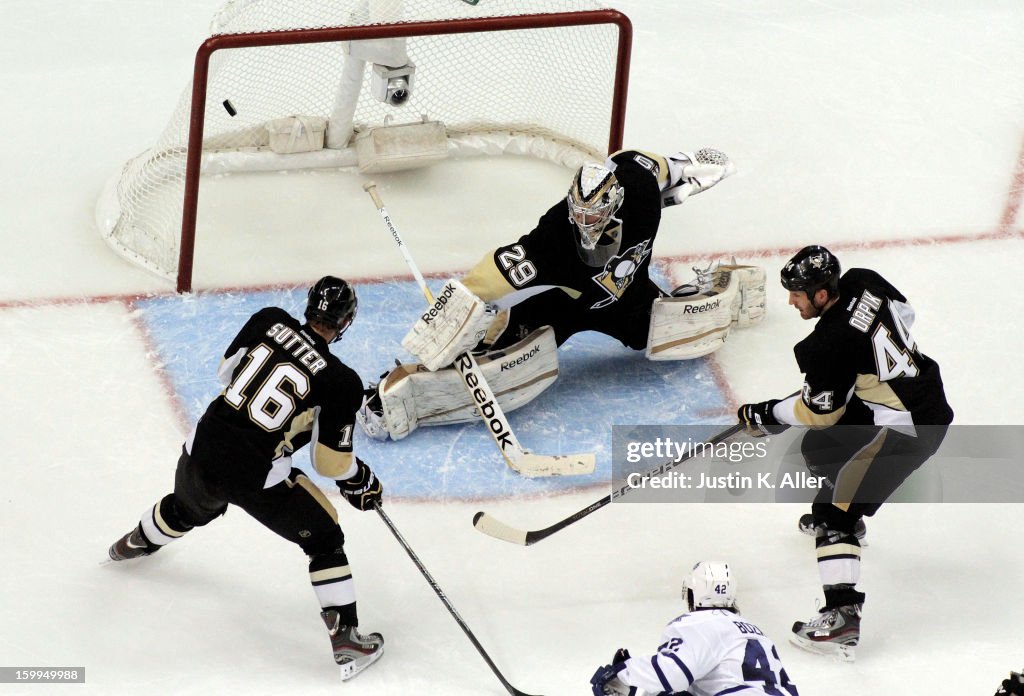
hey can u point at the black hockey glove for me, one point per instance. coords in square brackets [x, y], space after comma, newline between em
[621, 655]
[363, 490]
[759, 419]
[1014, 686]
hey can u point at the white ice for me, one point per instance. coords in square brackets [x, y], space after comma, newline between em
[891, 131]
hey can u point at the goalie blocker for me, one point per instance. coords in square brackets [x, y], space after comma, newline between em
[455, 322]
[412, 395]
[697, 318]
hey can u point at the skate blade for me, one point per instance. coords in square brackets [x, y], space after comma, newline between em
[844, 653]
[351, 669]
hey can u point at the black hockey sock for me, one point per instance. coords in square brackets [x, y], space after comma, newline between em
[346, 613]
[842, 595]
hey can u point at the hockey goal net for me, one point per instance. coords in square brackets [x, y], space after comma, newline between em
[371, 86]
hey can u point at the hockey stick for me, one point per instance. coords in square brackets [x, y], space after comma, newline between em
[499, 530]
[519, 459]
[448, 605]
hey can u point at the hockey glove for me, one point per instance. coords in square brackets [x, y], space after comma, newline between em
[606, 682]
[1014, 686]
[363, 490]
[691, 173]
[759, 420]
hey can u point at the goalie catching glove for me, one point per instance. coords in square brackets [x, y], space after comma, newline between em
[759, 420]
[363, 489]
[454, 323]
[690, 173]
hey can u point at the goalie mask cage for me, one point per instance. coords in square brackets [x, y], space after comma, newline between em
[543, 78]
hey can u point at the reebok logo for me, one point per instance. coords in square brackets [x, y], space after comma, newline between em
[509, 364]
[439, 302]
[483, 402]
[702, 307]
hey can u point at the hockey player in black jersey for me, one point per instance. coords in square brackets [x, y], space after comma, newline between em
[584, 267]
[876, 410]
[283, 390]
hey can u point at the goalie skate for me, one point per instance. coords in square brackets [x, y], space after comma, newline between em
[353, 651]
[834, 632]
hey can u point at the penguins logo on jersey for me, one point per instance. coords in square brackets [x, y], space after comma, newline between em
[618, 273]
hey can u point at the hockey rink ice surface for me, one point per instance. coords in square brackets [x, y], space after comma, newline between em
[889, 131]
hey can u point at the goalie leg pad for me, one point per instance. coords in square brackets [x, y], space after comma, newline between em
[696, 320]
[412, 396]
[749, 305]
[454, 323]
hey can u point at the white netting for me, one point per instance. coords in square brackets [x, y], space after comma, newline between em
[542, 92]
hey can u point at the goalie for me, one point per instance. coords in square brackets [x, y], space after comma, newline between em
[584, 267]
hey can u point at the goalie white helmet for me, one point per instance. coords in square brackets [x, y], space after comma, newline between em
[594, 197]
[710, 585]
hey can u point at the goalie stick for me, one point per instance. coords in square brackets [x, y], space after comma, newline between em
[499, 530]
[520, 460]
[447, 603]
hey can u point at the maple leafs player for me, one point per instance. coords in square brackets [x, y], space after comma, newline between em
[709, 651]
[283, 390]
[877, 411]
[584, 267]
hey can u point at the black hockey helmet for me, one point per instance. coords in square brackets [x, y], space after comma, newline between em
[331, 301]
[812, 268]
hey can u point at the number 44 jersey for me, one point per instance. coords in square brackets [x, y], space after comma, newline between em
[862, 347]
[283, 389]
[708, 652]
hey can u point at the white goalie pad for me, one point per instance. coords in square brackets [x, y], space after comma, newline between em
[695, 323]
[749, 305]
[454, 323]
[413, 396]
[683, 328]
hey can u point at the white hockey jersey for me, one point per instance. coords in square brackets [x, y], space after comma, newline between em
[708, 652]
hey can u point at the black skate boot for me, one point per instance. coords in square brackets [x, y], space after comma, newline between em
[832, 632]
[353, 651]
[132, 545]
[807, 526]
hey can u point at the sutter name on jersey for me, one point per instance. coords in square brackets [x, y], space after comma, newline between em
[288, 338]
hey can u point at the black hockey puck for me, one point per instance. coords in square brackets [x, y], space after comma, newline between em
[230, 108]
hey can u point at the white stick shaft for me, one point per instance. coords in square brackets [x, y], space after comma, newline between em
[371, 188]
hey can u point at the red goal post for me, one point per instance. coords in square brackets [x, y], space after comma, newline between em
[576, 62]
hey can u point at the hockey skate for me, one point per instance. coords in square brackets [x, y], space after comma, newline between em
[807, 526]
[131, 545]
[833, 632]
[353, 651]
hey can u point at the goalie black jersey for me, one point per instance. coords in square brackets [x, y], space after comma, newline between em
[548, 255]
[283, 387]
[862, 347]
